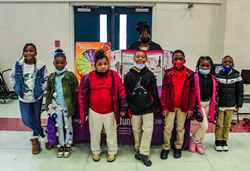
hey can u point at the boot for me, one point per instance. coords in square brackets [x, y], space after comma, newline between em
[35, 145]
[47, 146]
[200, 147]
[43, 139]
[111, 158]
[192, 144]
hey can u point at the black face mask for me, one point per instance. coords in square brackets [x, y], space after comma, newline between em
[102, 74]
[144, 39]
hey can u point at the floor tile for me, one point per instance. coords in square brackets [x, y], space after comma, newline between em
[220, 165]
[6, 137]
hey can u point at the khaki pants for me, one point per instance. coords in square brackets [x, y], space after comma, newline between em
[200, 133]
[223, 125]
[180, 130]
[96, 123]
[143, 129]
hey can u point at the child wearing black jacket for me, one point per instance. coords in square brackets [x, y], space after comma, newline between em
[230, 100]
[143, 101]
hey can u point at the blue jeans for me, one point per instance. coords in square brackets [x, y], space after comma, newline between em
[31, 116]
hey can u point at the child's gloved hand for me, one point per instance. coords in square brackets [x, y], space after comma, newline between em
[236, 109]
[165, 113]
[122, 113]
[189, 114]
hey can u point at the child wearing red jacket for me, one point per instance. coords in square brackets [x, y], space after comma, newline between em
[102, 98]
[177, 99]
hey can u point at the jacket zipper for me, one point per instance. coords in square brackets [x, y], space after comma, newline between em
[226, 89]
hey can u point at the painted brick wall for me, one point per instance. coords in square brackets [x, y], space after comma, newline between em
[206, 29]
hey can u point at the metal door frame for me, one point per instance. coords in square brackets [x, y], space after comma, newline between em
[72, 24]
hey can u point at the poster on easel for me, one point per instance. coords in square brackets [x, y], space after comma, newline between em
[116, 62]
[167, 60]
[154, 64]
[84, 56]
[126, 58]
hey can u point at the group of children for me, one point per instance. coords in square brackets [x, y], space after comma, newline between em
[103, 98]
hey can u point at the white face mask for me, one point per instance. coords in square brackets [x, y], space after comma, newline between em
[204, 72]
[139, 67]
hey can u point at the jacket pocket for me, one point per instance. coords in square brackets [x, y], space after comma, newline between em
[38, 85]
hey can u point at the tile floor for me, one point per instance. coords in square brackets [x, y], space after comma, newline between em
[15, 152]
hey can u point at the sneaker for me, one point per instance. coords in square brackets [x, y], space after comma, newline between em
[96, 157]
[224, 146]
[192, 145]
[164, 154]
[60, 151]
[146, 160]
[67, 151]
[200, 147]
[138, 156]
[218, 146]
[111, 158]
[177, 153]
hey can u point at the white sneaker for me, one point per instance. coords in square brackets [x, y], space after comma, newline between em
[225, 146]
[218, 146]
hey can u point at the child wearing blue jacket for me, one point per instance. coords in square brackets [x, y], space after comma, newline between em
[29, 80]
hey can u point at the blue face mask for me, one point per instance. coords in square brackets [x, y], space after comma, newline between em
[227, 69]
[60, 72]
[139, 67]
[204, 72]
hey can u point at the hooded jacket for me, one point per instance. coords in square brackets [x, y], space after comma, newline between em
[118, 94]
[41, 75]
[142, 92]
[230, 88]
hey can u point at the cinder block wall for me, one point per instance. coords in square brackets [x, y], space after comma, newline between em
[212, 28]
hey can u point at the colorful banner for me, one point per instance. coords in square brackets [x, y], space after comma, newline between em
[84, 56]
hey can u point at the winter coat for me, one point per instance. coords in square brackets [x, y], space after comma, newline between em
[118, 94]
[214, 107]
[188, 92]
[142, 92]
[40, 84]
[70, 87]
[230, 88]
[152, 46]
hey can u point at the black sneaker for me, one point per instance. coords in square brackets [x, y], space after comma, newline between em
[60, 151]
[177, 153]
[146, 160]
[67, 151]
[138, 156]
[218, 146]
[164, 154]
[224, 146]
